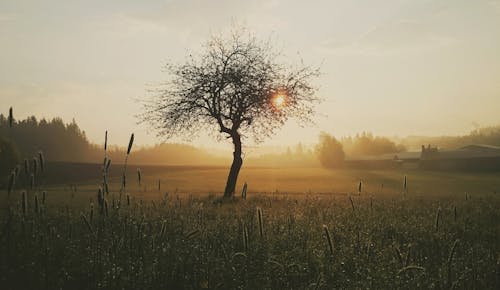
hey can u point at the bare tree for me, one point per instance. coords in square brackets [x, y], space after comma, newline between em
[236, 87]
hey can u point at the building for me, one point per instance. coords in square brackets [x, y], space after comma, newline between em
[469, 158]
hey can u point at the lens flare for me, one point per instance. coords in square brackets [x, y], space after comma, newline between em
[279, 100]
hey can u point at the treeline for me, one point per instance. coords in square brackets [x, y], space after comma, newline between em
[66, 142]
[367, 144]
[58, 141]
[332, 152]
[294, 156]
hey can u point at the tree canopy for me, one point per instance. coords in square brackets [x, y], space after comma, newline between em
[237, 86]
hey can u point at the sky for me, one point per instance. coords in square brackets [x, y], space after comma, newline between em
[393, 67]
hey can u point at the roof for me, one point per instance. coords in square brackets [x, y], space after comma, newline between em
[470, 151]
[480, 147]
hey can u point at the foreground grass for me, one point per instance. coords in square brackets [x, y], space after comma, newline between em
[197, 243]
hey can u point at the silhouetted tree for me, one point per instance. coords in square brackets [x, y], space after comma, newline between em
[330, 152]
[236, 87]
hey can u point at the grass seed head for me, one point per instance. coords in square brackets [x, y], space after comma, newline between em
[130, 143]
[106, 141]
[32, 181]
[24, 204]
[261, 226]
[36, 203]
[41, 160]
[11, 118]
[26, 167]
[244, 191]
[35, 165]
[12, 180]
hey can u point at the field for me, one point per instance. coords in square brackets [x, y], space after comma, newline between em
[202, 180]
[298, 229]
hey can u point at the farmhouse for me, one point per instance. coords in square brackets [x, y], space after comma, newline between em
[469, 158]
[476, 157]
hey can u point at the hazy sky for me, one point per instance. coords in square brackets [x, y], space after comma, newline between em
[390, 67]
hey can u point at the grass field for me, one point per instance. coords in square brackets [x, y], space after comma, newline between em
[299, 229]
[203, 180]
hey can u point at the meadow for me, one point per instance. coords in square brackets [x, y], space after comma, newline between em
[297, 229]
[202, 180]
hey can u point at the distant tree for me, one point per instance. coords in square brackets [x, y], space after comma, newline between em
[236, 87]
[330, 151]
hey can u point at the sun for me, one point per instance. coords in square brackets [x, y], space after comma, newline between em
[279, 100]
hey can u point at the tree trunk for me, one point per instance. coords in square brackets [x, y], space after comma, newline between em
[235, 167]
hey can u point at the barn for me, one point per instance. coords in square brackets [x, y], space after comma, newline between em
[477, 157]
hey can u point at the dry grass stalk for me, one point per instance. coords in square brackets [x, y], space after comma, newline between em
[328, 239]
[450, 259]
[245, 237]
[408, 268]
[89, 226]
[261, 226]
[438, 216]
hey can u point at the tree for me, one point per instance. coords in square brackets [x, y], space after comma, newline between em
[236, 87]
[330, 152]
